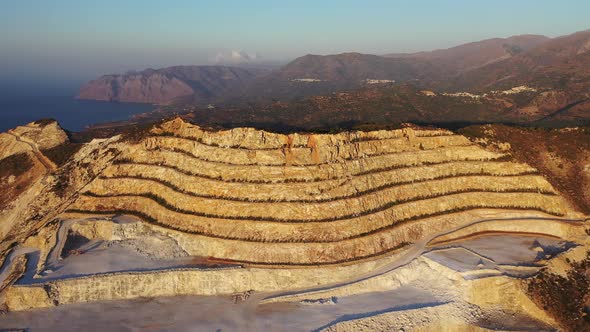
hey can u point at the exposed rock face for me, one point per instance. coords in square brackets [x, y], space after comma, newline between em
[154, 88]
[23, 166]
[270, 212]
[49, 191]
[38, 135]
[164, 85]
[562, 155]
[321, 194]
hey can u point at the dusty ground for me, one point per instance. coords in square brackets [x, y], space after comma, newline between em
[419, 299]
[406, 307]
[498, 254]
[461, 281]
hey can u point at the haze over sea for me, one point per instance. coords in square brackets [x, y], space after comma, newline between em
[72, 114]
[27, 100]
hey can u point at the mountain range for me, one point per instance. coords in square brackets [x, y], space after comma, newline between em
[558, 63]
[552, 76]
[477, 54]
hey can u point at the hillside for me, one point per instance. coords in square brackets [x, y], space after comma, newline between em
[23, 161]
[326, 73]
[562, 155]
[261, 220]
[561, 63]
[321, 74]
[352, 67]
[477, 54]
[387, 107]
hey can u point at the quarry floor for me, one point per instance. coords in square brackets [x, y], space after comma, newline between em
[415, 303]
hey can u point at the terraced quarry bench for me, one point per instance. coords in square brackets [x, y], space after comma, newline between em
[263, 198]
[266, 212]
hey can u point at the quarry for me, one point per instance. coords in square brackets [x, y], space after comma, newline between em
[417, 228]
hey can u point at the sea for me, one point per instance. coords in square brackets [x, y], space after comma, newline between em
[72, 114]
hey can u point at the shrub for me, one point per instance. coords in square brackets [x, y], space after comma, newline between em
[16, 164]
[44, 122]
[62, 153]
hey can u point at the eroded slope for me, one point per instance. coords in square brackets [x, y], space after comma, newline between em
[293, 218]
[307, 199]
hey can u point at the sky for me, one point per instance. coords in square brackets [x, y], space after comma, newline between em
[76, 40]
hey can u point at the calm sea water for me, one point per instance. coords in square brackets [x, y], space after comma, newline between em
[71, 114]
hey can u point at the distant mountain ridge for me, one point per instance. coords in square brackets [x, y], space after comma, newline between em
[562, 62]
[477, 54]
[324, 73]
[537, 61]
[320, 74]
[353, 66]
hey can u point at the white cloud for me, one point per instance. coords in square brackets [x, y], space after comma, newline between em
[236, 57]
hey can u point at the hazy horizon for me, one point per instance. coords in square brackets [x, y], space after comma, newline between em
[64, 43]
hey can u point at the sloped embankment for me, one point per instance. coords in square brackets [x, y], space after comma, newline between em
[255, 197]
[291, 218]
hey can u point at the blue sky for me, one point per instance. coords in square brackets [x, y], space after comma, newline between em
[75, 39]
